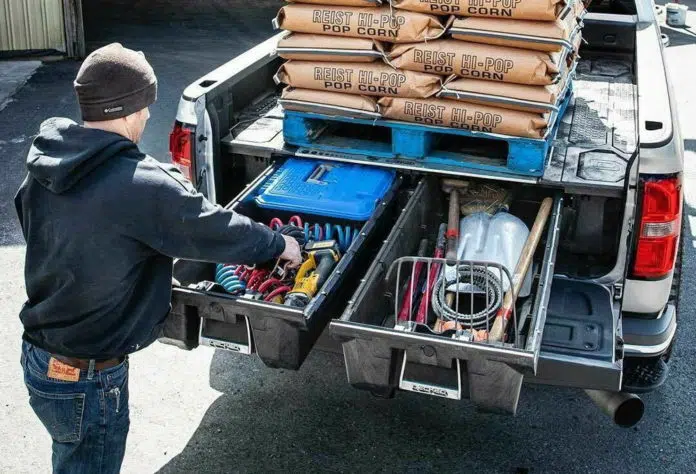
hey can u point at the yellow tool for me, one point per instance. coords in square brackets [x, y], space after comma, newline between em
[322, 258]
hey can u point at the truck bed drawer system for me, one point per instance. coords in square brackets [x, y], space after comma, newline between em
[549, 337]
[282, 336]
[379, 357]
[561, 325]
[565, 329]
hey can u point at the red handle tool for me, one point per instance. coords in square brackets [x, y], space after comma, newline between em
[422, 315]
[412, 289]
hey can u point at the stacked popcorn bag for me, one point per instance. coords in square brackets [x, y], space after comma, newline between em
[497, 66]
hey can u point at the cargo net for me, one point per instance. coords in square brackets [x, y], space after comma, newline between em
[465, 300]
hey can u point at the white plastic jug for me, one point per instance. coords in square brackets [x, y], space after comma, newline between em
[496, 239]
[676, 14]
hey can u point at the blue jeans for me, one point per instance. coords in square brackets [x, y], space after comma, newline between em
[88, 419]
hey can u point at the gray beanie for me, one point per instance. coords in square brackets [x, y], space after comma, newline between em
[114, 82]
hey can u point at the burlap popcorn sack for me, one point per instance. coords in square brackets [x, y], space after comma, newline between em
[376, 79]
[375, 23]
[539, 10]
[306, 47]
[536, 99]
[349, 3]
[329, 103]
[548, 36]
[465, 116]
[477, 61]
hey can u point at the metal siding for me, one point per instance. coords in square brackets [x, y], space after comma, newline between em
[31, 25]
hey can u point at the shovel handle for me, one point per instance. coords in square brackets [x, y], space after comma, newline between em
[505, 312]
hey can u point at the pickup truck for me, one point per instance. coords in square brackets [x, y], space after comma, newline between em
[602, 316]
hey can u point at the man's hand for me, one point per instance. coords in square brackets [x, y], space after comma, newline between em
[292, 252]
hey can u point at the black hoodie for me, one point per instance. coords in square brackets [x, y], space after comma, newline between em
[102, 222]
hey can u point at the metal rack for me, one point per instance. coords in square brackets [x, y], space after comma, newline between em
[472, 278]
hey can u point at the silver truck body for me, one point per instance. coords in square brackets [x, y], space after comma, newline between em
[643, 315]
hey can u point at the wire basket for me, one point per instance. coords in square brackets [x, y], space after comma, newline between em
[460, 302]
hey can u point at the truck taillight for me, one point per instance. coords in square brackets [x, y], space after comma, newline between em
[660, 226]
[181, 148]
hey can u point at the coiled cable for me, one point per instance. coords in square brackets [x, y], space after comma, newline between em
[255, 279]
[313, 232]
[482, 278]
[230, 278]
[280, 291]
[239, 279]
[343, 235]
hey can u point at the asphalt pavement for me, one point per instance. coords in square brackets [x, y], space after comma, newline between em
[212, 411]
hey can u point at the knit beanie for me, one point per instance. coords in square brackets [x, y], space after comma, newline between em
[114, 82]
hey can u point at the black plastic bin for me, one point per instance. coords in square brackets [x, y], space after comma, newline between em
[282, 336]
[382, 358]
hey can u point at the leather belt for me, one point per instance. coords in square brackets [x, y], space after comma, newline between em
[83, 364]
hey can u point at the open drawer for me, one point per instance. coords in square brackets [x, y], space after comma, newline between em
[203, 312]
[382, 356]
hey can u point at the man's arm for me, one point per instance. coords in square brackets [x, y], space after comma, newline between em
[187, 225]
[19, 208]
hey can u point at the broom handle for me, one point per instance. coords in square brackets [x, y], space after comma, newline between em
[453, 226]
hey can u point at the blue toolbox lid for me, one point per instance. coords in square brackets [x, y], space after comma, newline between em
[337, 190]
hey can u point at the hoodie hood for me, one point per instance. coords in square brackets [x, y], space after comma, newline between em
[65, 152]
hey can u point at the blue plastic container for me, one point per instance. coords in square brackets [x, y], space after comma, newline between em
[338, 190]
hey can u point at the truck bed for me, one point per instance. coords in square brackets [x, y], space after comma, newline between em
[598, 135]
[595, 143]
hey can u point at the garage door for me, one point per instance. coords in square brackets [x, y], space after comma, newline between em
[28, 25]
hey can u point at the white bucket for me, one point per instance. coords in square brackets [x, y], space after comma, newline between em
[676, 14]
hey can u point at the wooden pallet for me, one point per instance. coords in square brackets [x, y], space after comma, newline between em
[385, 140]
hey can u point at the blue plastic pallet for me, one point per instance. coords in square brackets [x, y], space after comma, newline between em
[401, 140]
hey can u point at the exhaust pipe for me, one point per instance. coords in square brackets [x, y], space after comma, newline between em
[626, 409]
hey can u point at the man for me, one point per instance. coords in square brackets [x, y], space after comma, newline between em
[102, 222]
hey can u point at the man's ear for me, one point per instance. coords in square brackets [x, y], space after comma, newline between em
[126, 121]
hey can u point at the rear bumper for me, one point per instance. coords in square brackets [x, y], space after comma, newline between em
[643, 296]
[650, 337]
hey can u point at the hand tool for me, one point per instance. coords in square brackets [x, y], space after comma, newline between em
[453, 187]
[422, 315]
[497, 333]
[322, 258]
[412, 288]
